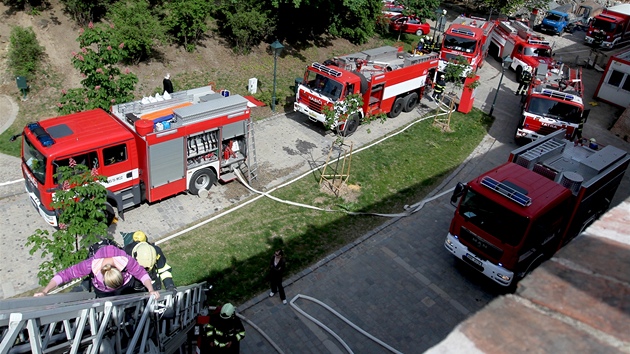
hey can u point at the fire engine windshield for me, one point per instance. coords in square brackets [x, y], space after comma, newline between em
[537, 52]
[461, 44]
[34, 160]
[324, 85]
[563, 111]
[604, 25]
[493, 218]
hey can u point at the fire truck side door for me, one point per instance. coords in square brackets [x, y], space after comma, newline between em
[117, 166]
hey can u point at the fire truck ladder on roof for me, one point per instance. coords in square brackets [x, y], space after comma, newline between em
[79, 323]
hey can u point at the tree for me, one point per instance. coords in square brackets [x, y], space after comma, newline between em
[137, 27]
[424, 9]
[246, 28]
[25, 53]
[186, 21]
[85, 11]
[104, 83]
[510, 7]
[81, 201]
[345, 110]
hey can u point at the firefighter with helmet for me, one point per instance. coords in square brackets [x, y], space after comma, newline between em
[439, 87]
[225, 330]
[152, 259]
[526, 79]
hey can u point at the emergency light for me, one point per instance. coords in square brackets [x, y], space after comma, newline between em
[506, 191]
[327, 70]
[44, 138]
[463, 31]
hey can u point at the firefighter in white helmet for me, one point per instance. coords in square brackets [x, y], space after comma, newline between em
[152, 259]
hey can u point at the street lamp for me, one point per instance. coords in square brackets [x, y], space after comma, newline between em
[276, 47]
[504, 64]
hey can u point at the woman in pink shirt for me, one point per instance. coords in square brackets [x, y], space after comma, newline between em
[112, 271]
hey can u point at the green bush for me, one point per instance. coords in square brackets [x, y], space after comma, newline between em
[25, 53]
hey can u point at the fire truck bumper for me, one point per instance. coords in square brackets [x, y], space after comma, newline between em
[495, 272]
[312, 115]
[527, 134]
[49, 215]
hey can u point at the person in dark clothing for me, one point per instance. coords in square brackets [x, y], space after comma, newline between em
[526, 79]
[168, 85]
[151, 257]
[439, 87]
[276, 270]
[225, 330]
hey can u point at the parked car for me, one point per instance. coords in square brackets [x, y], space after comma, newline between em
[392, 8]
[409, 24]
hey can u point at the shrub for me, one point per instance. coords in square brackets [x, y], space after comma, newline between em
[25, 53]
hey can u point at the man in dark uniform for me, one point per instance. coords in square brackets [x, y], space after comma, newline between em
[168, 85]
[151, 257]
[225, 331]
[439, 87]
[526, 79]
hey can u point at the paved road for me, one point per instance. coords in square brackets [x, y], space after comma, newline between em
[396, 283]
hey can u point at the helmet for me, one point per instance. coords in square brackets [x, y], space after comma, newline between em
[442, 76]
[145, 254]
[227, 311]
[139, 236]
[422, 40]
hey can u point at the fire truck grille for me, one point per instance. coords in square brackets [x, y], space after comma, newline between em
[317, 107]
[482, 245]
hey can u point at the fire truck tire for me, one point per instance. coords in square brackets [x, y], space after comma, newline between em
[350, 126]
[411, 101]
[397, 107]
[202, 179]
[110, 214]
[519, 72]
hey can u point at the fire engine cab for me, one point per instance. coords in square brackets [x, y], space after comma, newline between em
[467, 37]
[148, 149]
[526, 49]
[554, 101]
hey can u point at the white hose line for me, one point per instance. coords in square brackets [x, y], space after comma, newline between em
[262, 333]
[359, 329]
[307, 173]
[2, 184]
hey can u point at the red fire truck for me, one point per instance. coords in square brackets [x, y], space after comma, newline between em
[610, 28]
[149, 149]
[526, 48]
[519, 214]
[467, 37]
[388, 80]
[554, 101]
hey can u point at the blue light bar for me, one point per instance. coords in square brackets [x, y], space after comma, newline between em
[506, 191]
[556, 94]
[44, 138]
[463, 31]
[326, 69]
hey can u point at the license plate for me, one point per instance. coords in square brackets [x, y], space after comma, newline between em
[473, 259]
[312, 114]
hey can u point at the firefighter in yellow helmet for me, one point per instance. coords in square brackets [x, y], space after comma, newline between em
[225, 330]
[151, 257]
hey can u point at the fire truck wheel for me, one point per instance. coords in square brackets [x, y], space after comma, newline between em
[411, 101]
[110, 214]
[397, 107]
[350, 126]
[202, 179]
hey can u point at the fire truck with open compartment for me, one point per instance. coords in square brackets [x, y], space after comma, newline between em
[513, 217]
[149, 149]
[526, 49]
[466, 37]
[389, 81]
[554, 101]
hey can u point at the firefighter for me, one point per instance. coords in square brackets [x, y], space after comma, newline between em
[152, 259]
[420, 47]
[526, 79]
[225, 331]
[439, 87]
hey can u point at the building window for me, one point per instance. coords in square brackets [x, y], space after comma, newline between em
[626, 84]
[615, 78]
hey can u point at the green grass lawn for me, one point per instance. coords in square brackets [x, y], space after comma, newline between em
[232, 253]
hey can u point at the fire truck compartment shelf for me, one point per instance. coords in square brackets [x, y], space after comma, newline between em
[202, 144]
[226, 106]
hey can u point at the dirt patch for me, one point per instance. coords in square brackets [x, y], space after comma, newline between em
[348, 192]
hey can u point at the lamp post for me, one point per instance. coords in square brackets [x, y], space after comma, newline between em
[276, 47]
[504, 64]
